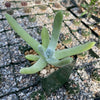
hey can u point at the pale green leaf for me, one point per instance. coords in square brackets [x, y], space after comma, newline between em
[84, 5]
[22, 33]
[32, 57]
[56, 30]
[63, 62]
[41, 50]
[73, 51]
[60, 63]
[38, 66]
[49, 53]
[52, 60]
[85, 12]
[45, 37]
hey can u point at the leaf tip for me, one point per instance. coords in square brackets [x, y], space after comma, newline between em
[22, 71]
[93, 43]
[27, 56]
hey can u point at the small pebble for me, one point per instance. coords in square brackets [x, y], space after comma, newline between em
[44, 71]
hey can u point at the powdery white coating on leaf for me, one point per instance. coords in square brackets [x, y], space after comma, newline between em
[45, 37]
[73, 51]
[39, 65]
[22, 33]
[56, 30]
[47, 52]
[32, 57]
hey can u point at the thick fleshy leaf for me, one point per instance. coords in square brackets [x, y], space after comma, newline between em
[85, 12]
[45, 37]
[32, 57]
[60, 63]
[52, 60]
[39, 65]
[41, 50]
[63, 62]
[49, 53]
[22, 33]
[73, 51]
[56, 30]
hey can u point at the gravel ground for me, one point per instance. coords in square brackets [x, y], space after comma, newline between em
[13, 85]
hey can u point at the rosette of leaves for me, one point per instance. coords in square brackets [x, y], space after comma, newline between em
[46, 50]
[76, 22]
[68, 40]
[93, 2]
[65, 39]
[32, 18]
[66, 14]
[90, 8]
[85, 33]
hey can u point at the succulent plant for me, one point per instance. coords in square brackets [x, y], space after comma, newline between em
[93, 2]
[65, 39]
[85, 33]
[76, 22]
[68, 40]
[46, 50]
[90, 9]
[32, 18]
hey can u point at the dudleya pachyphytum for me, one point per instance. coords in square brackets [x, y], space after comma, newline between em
[46, 51]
